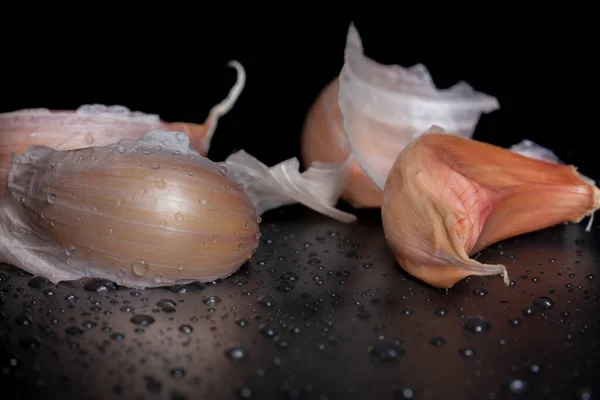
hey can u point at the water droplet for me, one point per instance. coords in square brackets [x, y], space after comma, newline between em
[49, 291]
[480, 292]
[187, 288]
[158, 278]
[222, 169]
[140, 267]
[243, 393]
[37, 282]
[23, 320]
[214, 240]
[467, 352]
[71, 298]
[441, 311]
[44, 214]
[187, 329]
[202, 202]
[386, 351]
[239, 280]
[97, 208]
[289, 276]
[242, 322]
[529, 310]
[179, 216]
[268, 331]
[236, 352]
[122, 150]
[514, 321]
[543, 303]
[69, 251]
[284, 286]
[74, 331]
[437, 341]
[212, 300]
[177, 373]
[181, 136]
[267, 301]
[117, 336]
[89, 138]
[517, 386]
[590, 276]
[477, 325]
[142, 319]
[407, 311]
[100, 285]
[155, 165]
[52, 198]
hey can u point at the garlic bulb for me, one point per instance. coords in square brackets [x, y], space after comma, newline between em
[384, 107]
[318, 187]
[324, 140]
[144, 213]
[448, 197]
[99, 125]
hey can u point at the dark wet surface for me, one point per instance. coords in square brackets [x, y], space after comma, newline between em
[321, 312]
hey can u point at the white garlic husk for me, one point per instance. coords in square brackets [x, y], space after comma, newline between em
[385, 107]
[145, 213]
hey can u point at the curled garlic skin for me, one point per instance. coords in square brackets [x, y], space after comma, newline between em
[384, 107]
[448, 197]
[145, 213]
[324, 140]
[319, 187]
[100, 125]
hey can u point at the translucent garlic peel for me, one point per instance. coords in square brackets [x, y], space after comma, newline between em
[144, 213]
[319, 187]
[531, 149]
[448, 197]
[384, 107]
[324, 140]
[99, 125]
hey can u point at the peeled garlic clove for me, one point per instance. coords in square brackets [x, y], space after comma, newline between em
[99, 125]
[144, 213]
[384, 107]
[318, 187]
[324, 141]
[448, 197]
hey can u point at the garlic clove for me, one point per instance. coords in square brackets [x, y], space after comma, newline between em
[384, 107]
[324, 140]
[319, 187]
[448, 197]
[99, 125]
[144, 213]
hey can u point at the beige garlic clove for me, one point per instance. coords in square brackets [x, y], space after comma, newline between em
[144, 213]
[448, 197]
[384, 107]
[99, 125]
[324, 140]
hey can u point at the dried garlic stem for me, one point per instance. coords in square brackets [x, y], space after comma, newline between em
[449, 197]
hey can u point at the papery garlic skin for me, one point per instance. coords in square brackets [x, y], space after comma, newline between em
[384, 107]
[324, 140]
[448, 197]
[100, 125]
[319, 187]
[144, 213]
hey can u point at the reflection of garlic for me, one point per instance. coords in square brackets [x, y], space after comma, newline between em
[448, 197]
[384, 107]
[324, 140]
[98, 125]
[144, 213]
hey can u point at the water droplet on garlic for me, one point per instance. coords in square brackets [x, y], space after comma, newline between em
[180, 267]
[140, 267]
[121, 273]
[120, 202]
[181, 136]
[52, 198]
[97, 208]
[202, 202]
[155, 166]
[179, 216]
[158, 278]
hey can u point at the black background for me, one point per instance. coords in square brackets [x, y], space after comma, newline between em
[538, 63]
